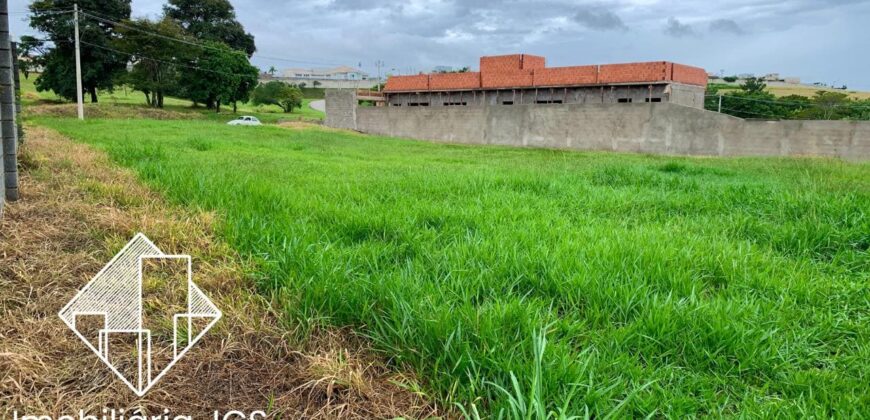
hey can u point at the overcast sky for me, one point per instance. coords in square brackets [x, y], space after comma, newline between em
[816, 40]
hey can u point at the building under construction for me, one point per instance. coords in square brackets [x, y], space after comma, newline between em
[525, 79]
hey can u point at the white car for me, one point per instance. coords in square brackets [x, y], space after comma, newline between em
[245, 120]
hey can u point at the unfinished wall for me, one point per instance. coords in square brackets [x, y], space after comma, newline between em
[660, 128]
[682, 94]
[341, 107]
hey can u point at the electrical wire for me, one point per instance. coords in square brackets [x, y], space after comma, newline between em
[104, 19]
[142, 57]
[802, 104]
[42, 12]
[752, 113]
[93, 15]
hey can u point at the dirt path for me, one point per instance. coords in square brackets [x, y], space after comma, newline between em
[77, 210]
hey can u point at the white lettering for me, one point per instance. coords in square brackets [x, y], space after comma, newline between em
[237, 414]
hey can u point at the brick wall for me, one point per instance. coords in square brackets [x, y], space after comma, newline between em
[689, 75]
[578, 75]
[519, 78]
[501, 63]
[454, 81]
[634, 72]
[524, 71]
[533, 62]
[405, 83]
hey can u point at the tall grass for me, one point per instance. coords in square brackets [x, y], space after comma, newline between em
[536, 283]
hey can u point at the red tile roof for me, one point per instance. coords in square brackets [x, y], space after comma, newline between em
[525, 71]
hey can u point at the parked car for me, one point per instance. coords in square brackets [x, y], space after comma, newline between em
[245, 120]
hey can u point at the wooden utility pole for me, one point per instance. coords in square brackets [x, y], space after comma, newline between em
[7, 108]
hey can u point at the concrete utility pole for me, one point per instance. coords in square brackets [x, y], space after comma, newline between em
[15, 71]
[79, 98]
[720, 103]
[7, 107]
[379, 64]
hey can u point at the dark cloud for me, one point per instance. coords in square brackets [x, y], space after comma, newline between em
[600, 20]
[727, 26]
[414, 35]
[678, 29]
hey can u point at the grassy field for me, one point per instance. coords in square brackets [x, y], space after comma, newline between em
[808, 91]
[126, 97]
[529, 281]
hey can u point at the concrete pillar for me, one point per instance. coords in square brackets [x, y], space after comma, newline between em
[341, 108]
[7, 107]
[16, 70]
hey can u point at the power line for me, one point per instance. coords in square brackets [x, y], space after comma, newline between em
[42, 12]
[752, 113]
[142, 57]
[196, 44]
[803, 104]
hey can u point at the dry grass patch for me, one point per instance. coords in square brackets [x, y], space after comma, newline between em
[76, 211]
[110, 111]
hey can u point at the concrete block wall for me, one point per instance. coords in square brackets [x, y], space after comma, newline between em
[341, 108]
[658, 128]
[687, 95]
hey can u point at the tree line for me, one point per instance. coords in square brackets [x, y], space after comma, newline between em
[752, 100]
[197, 51]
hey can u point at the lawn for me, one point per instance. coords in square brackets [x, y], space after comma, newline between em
[123, 96]
[601, 283]
[802, 90]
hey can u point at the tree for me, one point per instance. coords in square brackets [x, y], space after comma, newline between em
[217, 75]
[272, 71]
[30, 52]
[753, 85]
[248, 78]
[213, 20]
[278, 93]
[100, 65]
[316, 83]
[155, 59]
[829, 106]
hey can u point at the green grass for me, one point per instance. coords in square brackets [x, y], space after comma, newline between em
[125, 97]
[535, 282]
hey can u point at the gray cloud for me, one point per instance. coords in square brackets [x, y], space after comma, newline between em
[601, 20]
[728, 26]
[678, 29]
[415, 35]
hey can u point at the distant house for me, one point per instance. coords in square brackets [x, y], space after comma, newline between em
[336, 73]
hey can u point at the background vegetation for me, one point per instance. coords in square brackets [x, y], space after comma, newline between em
[753, 99]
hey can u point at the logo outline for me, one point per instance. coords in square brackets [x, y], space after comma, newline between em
[102, 350]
